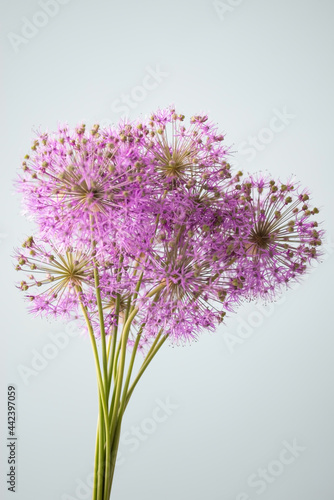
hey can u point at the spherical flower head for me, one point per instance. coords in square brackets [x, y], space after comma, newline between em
[180, 154]
[53, 278]
[282, 239]
[73, 177]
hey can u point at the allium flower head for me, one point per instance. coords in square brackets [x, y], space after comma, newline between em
[72, 177]
[52, 276]
[282, 239]
[184, 155]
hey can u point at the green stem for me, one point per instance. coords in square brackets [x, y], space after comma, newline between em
[114, 450]
[99, 305]
[114, 372]
[113, 347]
[135, 295]
[133, 355]
[150, 355]
[127, 310]
[96, 357]
[102, 329]
[96, 461]
[120, 371]
[128, 377]
[102, 452]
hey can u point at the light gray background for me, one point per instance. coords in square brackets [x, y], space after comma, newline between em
[238, 397]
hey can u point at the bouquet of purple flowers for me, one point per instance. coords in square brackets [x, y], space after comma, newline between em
[145, 232]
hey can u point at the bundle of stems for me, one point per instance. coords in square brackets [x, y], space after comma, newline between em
[115, 380]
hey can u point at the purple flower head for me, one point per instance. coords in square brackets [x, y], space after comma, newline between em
[52, 277]
[282, 238]
[74, 177]
[181, 155]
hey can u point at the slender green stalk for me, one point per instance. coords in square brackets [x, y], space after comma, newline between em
[96, 461]
[127, 310]
[102, 453]
[114, 450]
[128, 377]
[102, 328]
[120, 371]
[99, 304]
[114, 371]
[135, 295]
[108, 346]
[145, 364]
[111, 355]
[96, 357]
[112, 403]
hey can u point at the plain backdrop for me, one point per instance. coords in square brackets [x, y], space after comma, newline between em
[231, 403]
